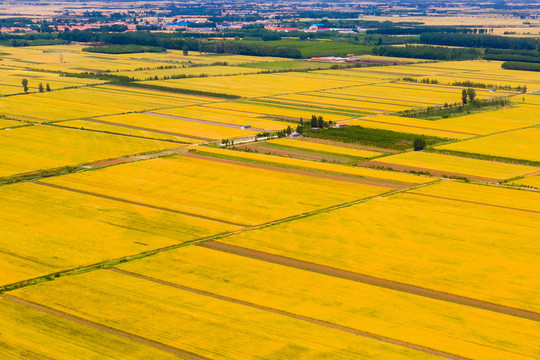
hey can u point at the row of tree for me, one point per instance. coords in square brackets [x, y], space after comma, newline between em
[428, 52]
[480, 41]
[40, 86]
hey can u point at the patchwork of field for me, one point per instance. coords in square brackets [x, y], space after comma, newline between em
[71, 58]
[88, 102]
[396, 248]
[485, 72]
[230, 117]
[202, 71]
[456, 166]
[171, 125]
[469, 332]
[257, 85]
[222, 191]
[519, 144]
[197, 325]
[39, 147]
[124, 129]
[172, 225]
[324, 148]
[361, 172]
[11, 81]
[45, 230]
[283, 111]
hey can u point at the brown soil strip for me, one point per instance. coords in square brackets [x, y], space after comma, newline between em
[431, 171]
[419, 127]
[382, 183]
[346, 145]
[91, 324]
[147, 129]
[298, 317]
[297, 154]
[138, 203]
[474, 202]
[199, 121]
[371, 280]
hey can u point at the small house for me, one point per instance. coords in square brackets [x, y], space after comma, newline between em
[294, 135]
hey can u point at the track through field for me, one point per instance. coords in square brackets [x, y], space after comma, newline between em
[370, 280]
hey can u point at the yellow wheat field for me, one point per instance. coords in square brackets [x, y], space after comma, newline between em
[420, 241]
[227, 117]
[281, 110]
[470, 332]
[255, 85]
[197, 323]
[371, 174]
[45, 230]
[519, 144]
[176, 127]
[332, 149]
[121, 130]
[189, 71]
[41, 147]
[458, 165]
[213, 189]
[531, 181]
[27, 332]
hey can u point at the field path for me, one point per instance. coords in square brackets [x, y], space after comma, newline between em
[170, 349]
[299, 317]
[371, 280]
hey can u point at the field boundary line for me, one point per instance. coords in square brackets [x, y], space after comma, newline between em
[60, 187]
[334, 326]
[113, 262]
[370, 280]
[120, 333]
[474, 202]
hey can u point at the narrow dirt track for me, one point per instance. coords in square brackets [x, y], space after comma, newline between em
[138, 203]
[371, 280]
[299, 317]
[388, 185]
[160, 346]
[398, 167]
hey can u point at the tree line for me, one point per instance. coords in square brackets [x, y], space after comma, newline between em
[427, 52]
[480, 41]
